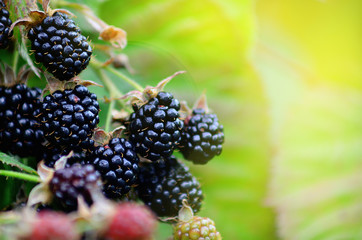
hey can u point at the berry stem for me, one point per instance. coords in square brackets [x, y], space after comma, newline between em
[111, 87]
[23, 176]
[114, 94]
[15, 60]
[109, 117]
[96, 64]
[125, 78]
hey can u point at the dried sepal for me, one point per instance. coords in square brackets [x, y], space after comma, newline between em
[116, 36]
[61, 162]
[118, 132]
[85, 83]
[186, 213]
[39, 194]
[202, 103]
[184, 110]
[120, 115]
[45, 173]
[34, 18]
[139, 98]
[54, 84]
[8, 77]
[151, 92]
[100, 137]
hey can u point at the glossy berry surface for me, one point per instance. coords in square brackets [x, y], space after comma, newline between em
[49, 225]
[198, 228]
[154, 128]
[131, 222]
[69, 183]
[165, 183]
[69, 117]
[117, 163]
[202, 137]
[5, 23]
[20, 132]
[58, 44]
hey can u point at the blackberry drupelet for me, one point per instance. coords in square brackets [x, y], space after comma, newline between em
[69, 183]
[117, 163]
[20, 132]
[69, 117]
[59, 45]
[202, 137]
[165, 183]
[5, 23]
[154, 128]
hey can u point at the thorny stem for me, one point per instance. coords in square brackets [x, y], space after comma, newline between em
[131, 82]
[23, 176]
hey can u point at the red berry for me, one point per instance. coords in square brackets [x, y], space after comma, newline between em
[131, 222]
[52, 226]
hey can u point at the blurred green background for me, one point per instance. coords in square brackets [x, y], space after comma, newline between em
[285, 78]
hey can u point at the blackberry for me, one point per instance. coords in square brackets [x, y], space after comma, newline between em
[5, 23]
[59, 45]
[154, 128]
[68, 117]
[69, 183]
[20, 132]
[165, 183]
[117, 163]
[201, 137]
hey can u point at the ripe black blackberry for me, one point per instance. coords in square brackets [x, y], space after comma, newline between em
[202, 137]
[20, 132]
[117, 163]
[5, 23]
[154, 127]
[68, 117]
[69, 183]
[164, 184]
[59, 45]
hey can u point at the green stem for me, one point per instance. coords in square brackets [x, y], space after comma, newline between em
[109, 117]
[110, 86]
[98, 65]
[125, 78]
[23, 176]
[15, 60]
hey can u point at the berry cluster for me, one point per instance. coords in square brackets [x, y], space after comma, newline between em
[84, 169]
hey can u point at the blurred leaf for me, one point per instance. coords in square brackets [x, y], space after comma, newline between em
[6, 159]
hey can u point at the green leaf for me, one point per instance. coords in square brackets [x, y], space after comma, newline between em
[8, 160]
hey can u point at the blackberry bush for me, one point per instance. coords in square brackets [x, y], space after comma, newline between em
[164, 184]
[58, 44]
[154, 128]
